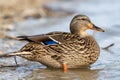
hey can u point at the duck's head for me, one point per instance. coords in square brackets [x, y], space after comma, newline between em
[80, 23]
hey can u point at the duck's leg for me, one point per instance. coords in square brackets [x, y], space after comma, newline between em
[65, 68]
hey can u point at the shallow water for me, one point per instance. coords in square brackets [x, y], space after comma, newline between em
[104, 13]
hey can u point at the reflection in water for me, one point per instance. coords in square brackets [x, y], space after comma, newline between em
[72, 74]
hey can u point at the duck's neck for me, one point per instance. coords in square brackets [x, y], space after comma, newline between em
[78, 30]
[82, 33]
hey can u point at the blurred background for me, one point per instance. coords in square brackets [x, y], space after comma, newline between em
[32, 17]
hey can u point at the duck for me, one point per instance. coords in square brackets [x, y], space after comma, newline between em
[65, 50]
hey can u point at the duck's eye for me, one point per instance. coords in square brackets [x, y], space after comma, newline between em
[83, 19]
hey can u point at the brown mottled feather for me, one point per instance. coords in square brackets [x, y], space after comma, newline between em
[76, 51]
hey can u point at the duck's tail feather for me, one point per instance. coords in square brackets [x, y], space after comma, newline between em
[14, 54]
[24, 38]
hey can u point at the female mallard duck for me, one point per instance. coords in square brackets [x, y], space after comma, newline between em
[64, 50]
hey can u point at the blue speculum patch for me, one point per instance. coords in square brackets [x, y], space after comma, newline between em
[49, 42]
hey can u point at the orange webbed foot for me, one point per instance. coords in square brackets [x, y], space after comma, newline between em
[65, 68]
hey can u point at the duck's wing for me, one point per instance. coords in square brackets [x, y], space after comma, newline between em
[43, 37]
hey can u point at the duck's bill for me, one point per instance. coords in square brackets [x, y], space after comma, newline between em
[97, 28]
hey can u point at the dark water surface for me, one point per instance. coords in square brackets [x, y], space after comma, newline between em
[104, 13]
